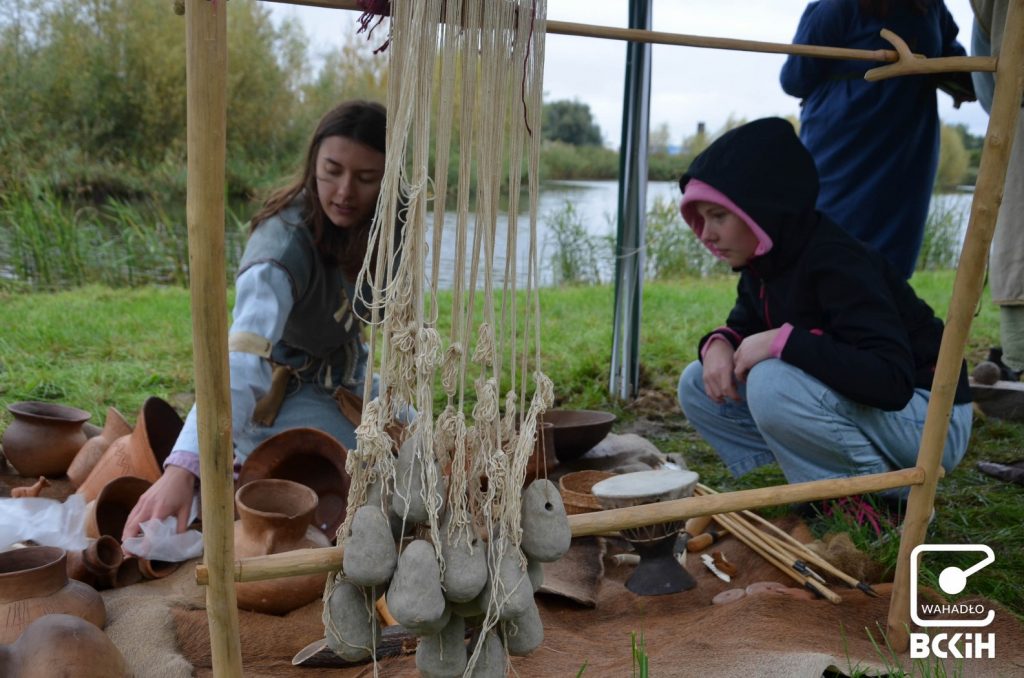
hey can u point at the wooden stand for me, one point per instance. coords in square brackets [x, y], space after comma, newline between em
[207, 69]
[206, 48]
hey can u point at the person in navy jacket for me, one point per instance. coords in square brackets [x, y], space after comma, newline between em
[876, 144]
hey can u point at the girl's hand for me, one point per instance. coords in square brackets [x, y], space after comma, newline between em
[752, 350]
[170, 495]
[718, 372]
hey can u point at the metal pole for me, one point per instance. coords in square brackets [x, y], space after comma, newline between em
[629, 251]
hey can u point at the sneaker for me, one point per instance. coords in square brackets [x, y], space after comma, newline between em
[995, 355]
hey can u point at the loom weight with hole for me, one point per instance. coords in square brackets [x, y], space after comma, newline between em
[140, 453]
[350, 625]
[275, 517]
[89, 454]
[34, 582]
[43, 438]
[64, 645]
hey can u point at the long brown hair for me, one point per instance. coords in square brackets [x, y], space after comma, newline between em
[362, 121]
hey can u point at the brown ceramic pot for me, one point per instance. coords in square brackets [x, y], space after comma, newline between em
[85, 460]
[310, 457]
[274, 517]
[62, 645]
[97, 564]
[140, 454]
[33, 582]
[43, 438]
[108, 512]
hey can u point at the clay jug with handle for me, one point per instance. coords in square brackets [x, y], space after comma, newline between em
[274, 517]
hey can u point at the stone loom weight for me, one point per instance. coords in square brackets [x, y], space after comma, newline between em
[207, 67]
[493, 52]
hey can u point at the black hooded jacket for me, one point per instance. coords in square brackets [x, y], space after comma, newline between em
[857, 326]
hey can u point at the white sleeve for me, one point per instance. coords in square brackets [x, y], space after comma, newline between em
[263, 301]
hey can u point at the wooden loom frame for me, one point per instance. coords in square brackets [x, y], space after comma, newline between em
[206, 59]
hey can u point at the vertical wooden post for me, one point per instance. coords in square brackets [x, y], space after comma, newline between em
[970, 278]
[206, 48]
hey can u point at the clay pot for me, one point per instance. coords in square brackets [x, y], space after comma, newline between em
[312, 458]
[115, 427]
[141, 453]
[274, 517]
[65, 645]
[43, 438]
[97, 564]
[108, 512]
[33, 582]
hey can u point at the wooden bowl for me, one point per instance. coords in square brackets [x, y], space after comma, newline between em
[577, 431]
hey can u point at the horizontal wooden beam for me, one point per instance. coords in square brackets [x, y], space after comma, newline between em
[310, 561]
[707, 42]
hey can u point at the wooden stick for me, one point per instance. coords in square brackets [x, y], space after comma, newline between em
[763, 549]
[914, 64]
[709, 42]
[309, 561]
[970, 278]
[206, 49]
[800, 549]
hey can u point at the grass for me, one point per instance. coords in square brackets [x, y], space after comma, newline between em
[94, 347]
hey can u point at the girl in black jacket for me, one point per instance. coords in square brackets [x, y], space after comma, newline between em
[825, 362]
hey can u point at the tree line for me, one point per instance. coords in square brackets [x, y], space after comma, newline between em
[92, 101]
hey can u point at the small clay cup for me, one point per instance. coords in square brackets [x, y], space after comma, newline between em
[310, 457]
[108, 513]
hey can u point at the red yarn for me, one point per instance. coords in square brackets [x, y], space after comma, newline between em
[374, 9]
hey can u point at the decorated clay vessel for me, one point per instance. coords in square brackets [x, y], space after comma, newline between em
[274, 517]
[34, 582]
[85, 460]
[43, 438]
[141, 453]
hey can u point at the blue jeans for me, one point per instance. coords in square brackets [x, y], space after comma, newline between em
[789, 417]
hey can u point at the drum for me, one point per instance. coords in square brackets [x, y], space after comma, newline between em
[658, 572]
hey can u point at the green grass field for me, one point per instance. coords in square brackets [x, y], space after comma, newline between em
[94, 347]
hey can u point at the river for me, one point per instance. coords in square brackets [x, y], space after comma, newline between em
[595, 204]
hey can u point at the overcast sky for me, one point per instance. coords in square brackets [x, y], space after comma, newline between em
[688, 84]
